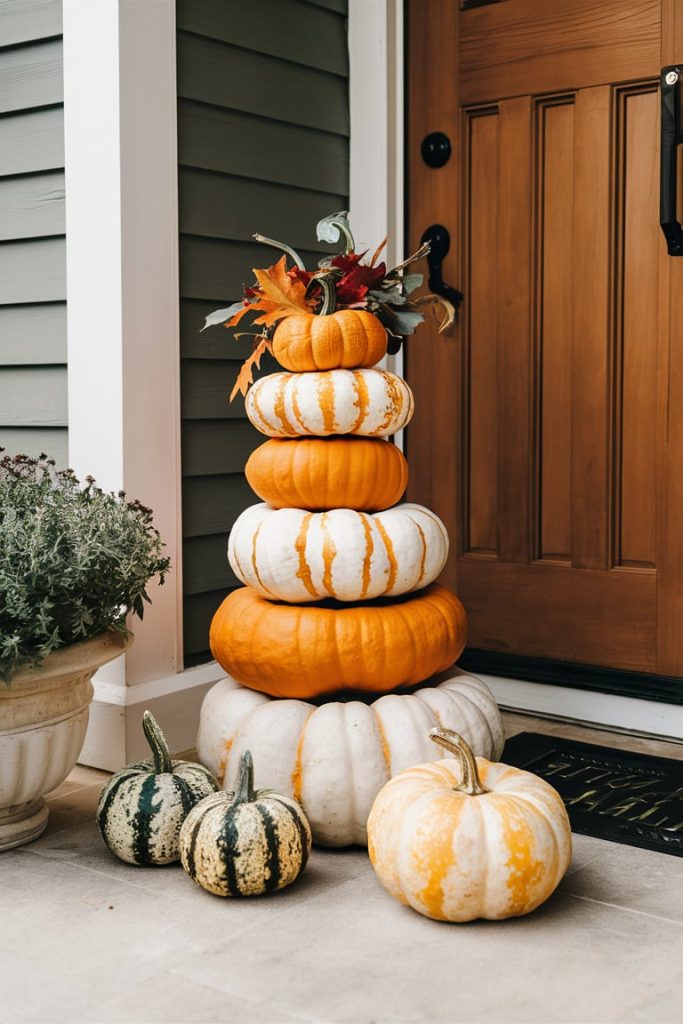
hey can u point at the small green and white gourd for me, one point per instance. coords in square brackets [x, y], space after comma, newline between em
[143, 806]
[245, 843]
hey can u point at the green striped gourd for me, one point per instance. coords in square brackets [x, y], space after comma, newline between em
[143, 806]
[245, 843]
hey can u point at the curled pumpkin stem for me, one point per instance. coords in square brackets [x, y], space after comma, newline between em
[329, 294]
[284, 248]
[456, 745]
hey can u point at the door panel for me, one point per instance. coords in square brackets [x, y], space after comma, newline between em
[543, 433]
[507, 48]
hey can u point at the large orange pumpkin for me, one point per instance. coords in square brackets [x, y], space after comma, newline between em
[303, 651]
[319, 474]
[347, 339]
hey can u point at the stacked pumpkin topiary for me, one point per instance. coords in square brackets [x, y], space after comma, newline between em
[340, 592]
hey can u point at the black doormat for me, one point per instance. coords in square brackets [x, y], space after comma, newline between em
[627, 798]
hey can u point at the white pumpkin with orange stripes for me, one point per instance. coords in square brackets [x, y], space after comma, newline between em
[296, 556]
[370, 403]
[334, 758]
[462, 839]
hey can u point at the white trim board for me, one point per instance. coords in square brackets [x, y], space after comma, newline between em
[376, 140]
[604, 710]
[115, 734]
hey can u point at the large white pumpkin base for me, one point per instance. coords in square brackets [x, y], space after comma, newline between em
[334, 758]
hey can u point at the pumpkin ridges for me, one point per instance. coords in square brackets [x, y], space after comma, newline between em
[369, 402]
[245, 844]
[455, 844]
[291, 739]
[296, 651]
[346, 339]
[300, 557]
[320, 474]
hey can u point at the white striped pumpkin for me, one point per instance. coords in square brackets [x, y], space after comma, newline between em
[371, 403]
[143, 806]
[292, 555]
[334, 758]
[245, 843]
[462, 839]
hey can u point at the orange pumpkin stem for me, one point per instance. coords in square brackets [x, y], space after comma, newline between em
[456, 745]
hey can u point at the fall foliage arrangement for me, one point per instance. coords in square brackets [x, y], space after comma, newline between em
[347, 281]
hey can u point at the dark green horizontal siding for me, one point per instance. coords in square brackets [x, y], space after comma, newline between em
[263, 122]
[33, 382]
[266, 150]
[211, 268]
[308, 36]
[227, 76]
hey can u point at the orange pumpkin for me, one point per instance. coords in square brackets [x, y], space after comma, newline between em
[319, 474]
[348, 339]
[298, 651]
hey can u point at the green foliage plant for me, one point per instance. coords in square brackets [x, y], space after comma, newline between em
[74, 560]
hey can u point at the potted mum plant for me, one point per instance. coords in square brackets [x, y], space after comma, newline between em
[74, 563]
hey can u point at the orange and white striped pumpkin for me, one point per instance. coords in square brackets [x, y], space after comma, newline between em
[296, 556]
[462, 839]
[334, 758]
[371, 403]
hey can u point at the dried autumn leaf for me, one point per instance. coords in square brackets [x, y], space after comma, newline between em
[246, 375]
[280, 295]
[376, 253]
[236, 317]
[447, 310]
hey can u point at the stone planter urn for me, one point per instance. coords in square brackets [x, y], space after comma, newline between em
[43, 720]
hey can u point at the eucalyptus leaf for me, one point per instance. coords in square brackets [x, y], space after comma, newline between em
[219, 316]
[393, 296]
[399, 322]
[411, 282]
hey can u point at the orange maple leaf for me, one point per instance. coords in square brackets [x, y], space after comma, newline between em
[281, 296]
[246, 375]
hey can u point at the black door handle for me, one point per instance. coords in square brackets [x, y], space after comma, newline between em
[668, 172]
[440, 242]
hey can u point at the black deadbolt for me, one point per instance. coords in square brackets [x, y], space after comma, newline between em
[436, 149]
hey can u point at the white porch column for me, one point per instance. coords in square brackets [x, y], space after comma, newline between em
[377, 135]
[122, 310]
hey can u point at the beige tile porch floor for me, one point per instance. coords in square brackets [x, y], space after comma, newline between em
[84, 937]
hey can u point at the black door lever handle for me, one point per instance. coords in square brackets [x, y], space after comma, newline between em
[671, 138]
[440, 242]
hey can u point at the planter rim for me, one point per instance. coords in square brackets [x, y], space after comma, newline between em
[74, 659]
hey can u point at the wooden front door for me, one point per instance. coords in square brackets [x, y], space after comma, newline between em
[549, 424]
